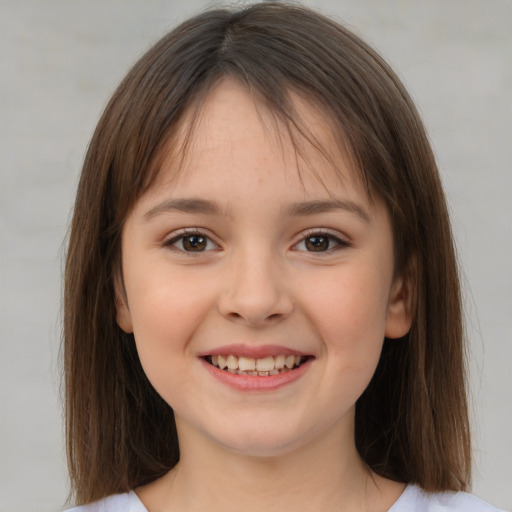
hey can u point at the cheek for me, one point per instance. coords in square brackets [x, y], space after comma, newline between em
[349, 314]
[166, 310]
[349, 311]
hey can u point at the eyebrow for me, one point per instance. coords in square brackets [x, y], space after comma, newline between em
[184, 205]
[203, 206]
[314, 207]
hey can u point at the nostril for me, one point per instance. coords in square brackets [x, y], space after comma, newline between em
[255, 301]
[237, 316]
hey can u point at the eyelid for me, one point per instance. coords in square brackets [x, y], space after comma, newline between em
[342, 241]
[175, 236]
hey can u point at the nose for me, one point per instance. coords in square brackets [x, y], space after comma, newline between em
[256, 291]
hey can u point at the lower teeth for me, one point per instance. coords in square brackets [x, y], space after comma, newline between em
[256, 373]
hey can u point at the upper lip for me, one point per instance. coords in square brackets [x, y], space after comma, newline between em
[254, 351]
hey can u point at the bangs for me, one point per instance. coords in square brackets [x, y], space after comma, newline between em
[283, 123]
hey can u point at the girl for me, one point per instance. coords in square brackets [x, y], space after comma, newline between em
[262, 306]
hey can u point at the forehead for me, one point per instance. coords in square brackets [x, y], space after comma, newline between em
[233, 136]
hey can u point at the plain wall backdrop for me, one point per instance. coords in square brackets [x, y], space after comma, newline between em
[59, 63]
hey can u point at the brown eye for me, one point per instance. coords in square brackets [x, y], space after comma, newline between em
[194, 243]
[321, 242]
[317, 243]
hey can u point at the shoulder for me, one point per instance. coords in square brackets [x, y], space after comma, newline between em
[127, 502]
[417, 500]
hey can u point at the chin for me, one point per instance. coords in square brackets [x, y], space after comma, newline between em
[261, 448]
[263, 441]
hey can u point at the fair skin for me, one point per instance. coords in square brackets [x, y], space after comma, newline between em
[240, 257]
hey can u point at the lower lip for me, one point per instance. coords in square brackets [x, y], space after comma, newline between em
[256, 382]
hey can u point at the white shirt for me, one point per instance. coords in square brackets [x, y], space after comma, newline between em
[413, 499]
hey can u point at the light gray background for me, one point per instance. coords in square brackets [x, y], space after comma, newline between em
[59, 63]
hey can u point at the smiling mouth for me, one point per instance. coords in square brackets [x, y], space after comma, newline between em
[262, 367]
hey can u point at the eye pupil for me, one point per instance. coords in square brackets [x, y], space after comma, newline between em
[194, 243]
[317, 243]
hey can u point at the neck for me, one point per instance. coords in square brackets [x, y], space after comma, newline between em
[326, 474]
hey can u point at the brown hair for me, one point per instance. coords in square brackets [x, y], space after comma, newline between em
[411, 422]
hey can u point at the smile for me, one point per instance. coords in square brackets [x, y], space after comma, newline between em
[262, 367]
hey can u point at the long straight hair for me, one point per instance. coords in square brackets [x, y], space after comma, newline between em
[411, 421]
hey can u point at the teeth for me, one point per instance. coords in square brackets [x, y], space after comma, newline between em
[279, 362]
[249, 366]
[290, 362]
[241, 372]
[265, 365]
[232, 362]
[221, 362]
[246, 363]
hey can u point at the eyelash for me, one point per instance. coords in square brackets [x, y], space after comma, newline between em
[319, 234]
[187, 233]
[322, 234]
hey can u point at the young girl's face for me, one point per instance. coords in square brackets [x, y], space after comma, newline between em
[238, 259]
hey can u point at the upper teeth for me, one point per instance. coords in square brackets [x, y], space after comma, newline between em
[249, 364]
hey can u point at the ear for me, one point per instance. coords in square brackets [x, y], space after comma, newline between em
[402, 303]
[123, 316]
